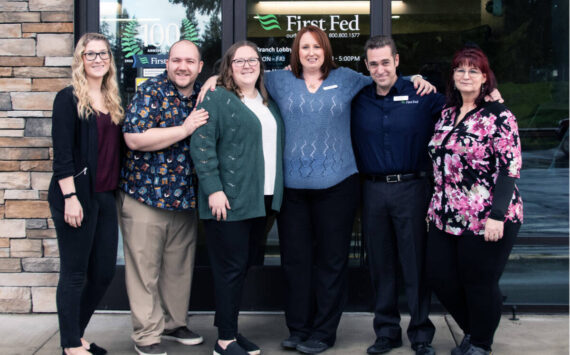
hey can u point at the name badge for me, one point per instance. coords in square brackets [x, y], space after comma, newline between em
[330, 87]
[401, 98]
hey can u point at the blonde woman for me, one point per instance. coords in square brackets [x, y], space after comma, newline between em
[86, 140]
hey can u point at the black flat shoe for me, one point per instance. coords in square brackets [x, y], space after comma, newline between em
[96, 350]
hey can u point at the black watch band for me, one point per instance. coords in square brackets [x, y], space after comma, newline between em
[66, 196]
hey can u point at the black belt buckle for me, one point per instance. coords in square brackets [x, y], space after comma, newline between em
[393, 178]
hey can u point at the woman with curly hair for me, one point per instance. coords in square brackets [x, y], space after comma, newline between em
[86, 141]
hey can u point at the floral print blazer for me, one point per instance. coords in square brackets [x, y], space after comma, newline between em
[467, 159]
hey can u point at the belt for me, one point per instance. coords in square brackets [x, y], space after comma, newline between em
[395, 177]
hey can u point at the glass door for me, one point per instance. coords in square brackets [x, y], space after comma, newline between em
[272, 25]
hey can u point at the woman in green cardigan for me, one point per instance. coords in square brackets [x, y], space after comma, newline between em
[238, 160]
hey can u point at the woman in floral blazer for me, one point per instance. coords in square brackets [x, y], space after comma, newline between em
[476, 209]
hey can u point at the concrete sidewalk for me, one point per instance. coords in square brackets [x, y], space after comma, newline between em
[38, 334]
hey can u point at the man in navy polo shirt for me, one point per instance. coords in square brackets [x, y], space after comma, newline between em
[391, 127]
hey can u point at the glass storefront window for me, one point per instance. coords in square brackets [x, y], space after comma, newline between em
[527, 45]
[272, 25]
[141, 32]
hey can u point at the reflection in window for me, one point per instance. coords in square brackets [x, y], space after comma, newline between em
[141, 32]
[272, 25]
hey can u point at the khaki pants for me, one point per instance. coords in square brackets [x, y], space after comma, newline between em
[159, 248]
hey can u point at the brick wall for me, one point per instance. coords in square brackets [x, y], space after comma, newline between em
[36, 45]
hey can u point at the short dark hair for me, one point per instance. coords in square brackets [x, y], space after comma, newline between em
[323, 40]
[188, 41]
[470, 56]
[379, 42]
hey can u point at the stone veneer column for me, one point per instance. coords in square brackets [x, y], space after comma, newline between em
[36, 46]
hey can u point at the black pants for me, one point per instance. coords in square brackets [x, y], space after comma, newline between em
[394, 228]
[230, 246]
[464, 272]
[87, 265]
[315, 227]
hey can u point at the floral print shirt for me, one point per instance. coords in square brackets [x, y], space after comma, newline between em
[163, 178]
[467, 159]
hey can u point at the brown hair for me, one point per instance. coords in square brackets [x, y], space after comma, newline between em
[226, 73]
[380, 41]
[323, 40]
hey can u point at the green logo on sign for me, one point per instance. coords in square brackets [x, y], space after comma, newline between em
[129, 43]
[188, 31]
[268, 22]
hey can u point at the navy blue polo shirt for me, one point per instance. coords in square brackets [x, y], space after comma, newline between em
[390, 133]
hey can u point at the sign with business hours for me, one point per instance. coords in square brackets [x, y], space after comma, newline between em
[274, 35]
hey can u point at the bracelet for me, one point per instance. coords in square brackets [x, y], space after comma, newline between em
[66, 196]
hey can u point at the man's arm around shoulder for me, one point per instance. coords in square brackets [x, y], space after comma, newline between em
[158, 138]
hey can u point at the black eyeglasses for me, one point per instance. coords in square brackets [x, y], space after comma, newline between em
[91, 56]
[241, 62]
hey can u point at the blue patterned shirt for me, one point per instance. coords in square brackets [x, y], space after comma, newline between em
[163, 178]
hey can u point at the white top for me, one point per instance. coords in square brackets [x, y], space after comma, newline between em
[269, 137]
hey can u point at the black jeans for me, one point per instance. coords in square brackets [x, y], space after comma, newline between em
[315, 227]
[229, 247]
[88, 255]
[464, 272]
[394, 228]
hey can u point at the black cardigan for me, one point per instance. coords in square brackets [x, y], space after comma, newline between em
[74, 151]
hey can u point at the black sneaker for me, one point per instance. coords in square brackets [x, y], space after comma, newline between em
[247, 345]
[423, 349]
[232, 349]
[152, 349]
[312, 346]
[292, 342]
[183, 335]
[459, 350]
[383, 345]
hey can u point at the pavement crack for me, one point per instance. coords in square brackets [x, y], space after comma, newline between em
[45, 342]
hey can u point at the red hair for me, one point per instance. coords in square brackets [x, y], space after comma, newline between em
[323, 40]
[470, 56]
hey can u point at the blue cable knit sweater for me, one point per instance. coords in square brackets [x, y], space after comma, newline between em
[318, 150]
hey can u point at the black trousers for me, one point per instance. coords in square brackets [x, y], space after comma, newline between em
[394, 229]
[315, 227]
[464, 272]
[87, 265]
[230, 246]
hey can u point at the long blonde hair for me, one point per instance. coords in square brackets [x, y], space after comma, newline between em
[109, 87]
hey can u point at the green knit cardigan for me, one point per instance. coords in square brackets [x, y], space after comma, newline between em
[228, 155]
